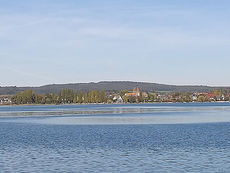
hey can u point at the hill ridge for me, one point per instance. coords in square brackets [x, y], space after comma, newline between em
[111, 86]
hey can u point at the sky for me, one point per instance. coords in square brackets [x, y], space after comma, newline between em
[177, 42]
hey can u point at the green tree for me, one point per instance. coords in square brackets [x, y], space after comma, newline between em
[132, 99]
[102, 97]
[25, 97]
[125, 99]
[80, 97]
[66, 96]
[123, 92]
[201, 98]
[187, 98]
[217, 92]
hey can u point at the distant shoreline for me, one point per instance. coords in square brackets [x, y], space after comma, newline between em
[109, 103]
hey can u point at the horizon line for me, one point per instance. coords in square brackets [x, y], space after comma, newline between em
[72, 83]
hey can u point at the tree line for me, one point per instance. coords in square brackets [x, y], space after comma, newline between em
[66, 96]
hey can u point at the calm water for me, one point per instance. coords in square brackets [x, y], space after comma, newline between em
[116, 138]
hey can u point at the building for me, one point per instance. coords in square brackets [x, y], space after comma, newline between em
[5, 100]
[136, 93]
[144, 94]
[210, 96]
[117, 99]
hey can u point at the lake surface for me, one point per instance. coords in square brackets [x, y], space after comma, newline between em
[192, 137]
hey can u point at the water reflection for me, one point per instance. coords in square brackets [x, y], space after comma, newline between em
[109, 109]
[119, 114]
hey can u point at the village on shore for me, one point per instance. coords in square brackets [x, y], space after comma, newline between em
[67, 96]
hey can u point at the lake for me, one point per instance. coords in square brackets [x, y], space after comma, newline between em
[191, 137]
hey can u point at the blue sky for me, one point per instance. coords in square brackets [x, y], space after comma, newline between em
[71, 41]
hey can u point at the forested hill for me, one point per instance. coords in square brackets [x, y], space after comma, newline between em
[113, 86]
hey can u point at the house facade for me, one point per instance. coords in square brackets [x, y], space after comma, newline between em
[136, 93]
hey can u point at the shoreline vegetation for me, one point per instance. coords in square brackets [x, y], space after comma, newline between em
[68, 96]
[2, 105]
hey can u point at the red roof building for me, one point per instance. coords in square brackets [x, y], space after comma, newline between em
[136, 92]
[210, 95]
